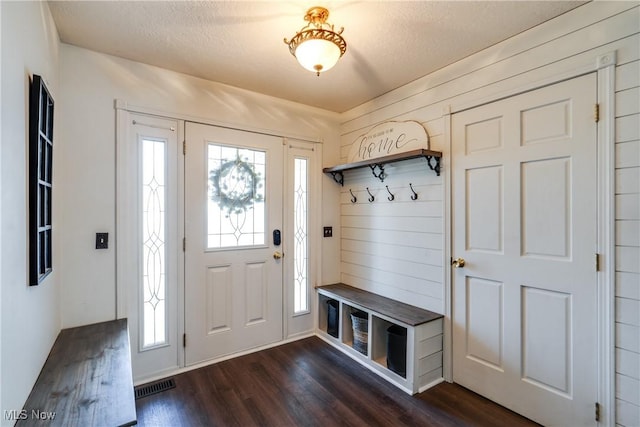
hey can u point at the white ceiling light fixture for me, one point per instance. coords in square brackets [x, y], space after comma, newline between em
[317, 46]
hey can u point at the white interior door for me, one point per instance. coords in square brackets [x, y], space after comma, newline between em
[524, 220]
[233, 268]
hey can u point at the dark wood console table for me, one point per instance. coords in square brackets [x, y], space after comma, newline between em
[86, 380]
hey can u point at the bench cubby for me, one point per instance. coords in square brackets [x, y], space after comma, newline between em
[424, 331]
[379, 350]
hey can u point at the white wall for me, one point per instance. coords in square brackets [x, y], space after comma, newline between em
[90, 82]
[559, 47]
[30, 315]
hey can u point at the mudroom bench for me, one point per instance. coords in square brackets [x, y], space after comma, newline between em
[86, 380]
[399, 342]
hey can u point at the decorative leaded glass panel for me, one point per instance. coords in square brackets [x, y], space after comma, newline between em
[236, 203]
[153, 242]
[300, 237]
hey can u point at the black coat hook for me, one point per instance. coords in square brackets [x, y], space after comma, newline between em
[353, 197]
[371, 198]
[391, 196]
[415, 195]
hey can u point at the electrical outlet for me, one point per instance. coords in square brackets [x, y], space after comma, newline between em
[328, 231]
[102, 240]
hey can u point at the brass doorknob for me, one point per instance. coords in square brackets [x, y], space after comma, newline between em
[277, 255]
[458, 262]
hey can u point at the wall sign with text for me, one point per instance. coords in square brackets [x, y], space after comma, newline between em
[388, 138]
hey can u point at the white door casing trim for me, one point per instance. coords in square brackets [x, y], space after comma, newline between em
[120, 104]
[447, 215]
[124, 107]
[121, 190]
[122, 110]
[604, 66]
[605, 199]
[128, 231]
[298, 324]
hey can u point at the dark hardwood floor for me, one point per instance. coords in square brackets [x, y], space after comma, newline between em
[309, 383]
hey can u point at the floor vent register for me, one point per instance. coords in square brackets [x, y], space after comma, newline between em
[153, 388]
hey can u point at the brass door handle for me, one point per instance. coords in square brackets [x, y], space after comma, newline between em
[277, 255]
[458, 262]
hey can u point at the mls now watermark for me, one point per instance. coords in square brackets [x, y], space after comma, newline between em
[23, 414]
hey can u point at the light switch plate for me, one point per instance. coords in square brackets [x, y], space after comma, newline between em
[102, 240]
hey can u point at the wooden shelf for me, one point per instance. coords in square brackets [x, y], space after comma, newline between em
[377, 165]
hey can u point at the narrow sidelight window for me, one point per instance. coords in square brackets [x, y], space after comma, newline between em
[154, 265]
[301, 236]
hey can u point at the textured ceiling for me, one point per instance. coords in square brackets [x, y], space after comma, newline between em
[240, 43]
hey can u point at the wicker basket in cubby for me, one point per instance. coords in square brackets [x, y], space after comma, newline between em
[360, 322]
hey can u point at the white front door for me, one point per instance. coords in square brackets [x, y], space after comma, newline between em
[524, 221]
[233, 264]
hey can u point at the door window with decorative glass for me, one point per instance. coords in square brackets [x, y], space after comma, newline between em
[236, 203]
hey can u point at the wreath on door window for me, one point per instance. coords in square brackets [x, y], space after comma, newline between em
[235, 186]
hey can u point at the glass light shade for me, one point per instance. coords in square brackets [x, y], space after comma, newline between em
[317, 55]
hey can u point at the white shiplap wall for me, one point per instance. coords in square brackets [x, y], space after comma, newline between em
[627, 202]
[374, 238]
[395, 247]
